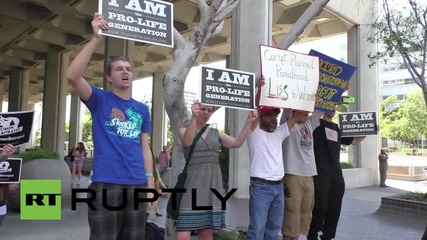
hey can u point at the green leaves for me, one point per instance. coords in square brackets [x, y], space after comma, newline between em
[401, 32]
[403, 120]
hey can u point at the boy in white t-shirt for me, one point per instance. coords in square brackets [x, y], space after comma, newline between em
[266, 191]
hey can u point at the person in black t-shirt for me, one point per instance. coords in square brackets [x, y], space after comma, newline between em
[329, 184]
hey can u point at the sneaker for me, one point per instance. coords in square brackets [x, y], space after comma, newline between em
[78, 183]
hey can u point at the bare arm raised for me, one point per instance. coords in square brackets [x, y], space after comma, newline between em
[187, 134]
[77, 67]
[231, 142]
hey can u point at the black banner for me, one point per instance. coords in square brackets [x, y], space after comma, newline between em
[15, 127]
[228, 88]
[10, 170]
[358, 124]
[149, 21]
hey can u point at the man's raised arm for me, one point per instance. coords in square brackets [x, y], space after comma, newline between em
[77, 67]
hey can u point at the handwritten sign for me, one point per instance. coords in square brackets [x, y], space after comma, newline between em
[333, 81]
[358, 124]
[291, 79]
[149, 21]
[15, 127]
[10, 170]
[228, 88]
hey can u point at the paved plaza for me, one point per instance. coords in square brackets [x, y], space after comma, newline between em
[359, 219]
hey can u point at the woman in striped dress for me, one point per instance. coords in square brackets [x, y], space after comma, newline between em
[204, 173]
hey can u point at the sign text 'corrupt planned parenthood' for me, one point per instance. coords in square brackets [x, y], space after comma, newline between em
[228, 88]
[291, 79]
[147, 21]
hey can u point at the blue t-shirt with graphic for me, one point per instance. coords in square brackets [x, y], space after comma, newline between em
[117, 125]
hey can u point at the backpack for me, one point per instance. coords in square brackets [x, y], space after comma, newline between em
[154, 232]
[70, 156]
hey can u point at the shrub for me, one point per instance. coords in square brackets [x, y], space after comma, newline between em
[414, 196]
[37, 153]
[345, 165]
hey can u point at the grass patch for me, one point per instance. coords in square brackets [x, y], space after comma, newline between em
[242, 236]
[414, 196]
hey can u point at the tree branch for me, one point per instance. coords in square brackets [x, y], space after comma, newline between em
[203, 7]
[424, 56]
[179, 40]
[401, 48]
[415, 9]
[217, 4]
[224, 11]
[315, 8]
[411, 71]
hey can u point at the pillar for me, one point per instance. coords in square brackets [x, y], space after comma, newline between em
[19, 89]
[54, 100]
[364, 86]
[31, 141]
[251, 26]
[1, 95]
[116, 47]
[157, 115]
[75, 121]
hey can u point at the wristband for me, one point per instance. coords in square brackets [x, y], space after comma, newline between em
[149, 174]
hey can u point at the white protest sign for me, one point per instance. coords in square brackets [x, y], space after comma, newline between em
[291, 79]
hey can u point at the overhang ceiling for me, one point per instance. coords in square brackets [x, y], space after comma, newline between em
[28, 27]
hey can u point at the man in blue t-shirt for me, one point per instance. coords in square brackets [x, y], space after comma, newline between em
[122, 156]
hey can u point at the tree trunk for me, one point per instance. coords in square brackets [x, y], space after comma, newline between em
[425, 96]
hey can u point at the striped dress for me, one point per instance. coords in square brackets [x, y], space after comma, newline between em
[203, 173]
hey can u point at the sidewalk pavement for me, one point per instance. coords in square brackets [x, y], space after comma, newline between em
[359, 218]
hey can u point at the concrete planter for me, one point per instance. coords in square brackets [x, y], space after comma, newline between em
[41, 169]
[357, 177]
[410, 207]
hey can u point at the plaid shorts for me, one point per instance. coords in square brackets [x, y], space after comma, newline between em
[123, 224]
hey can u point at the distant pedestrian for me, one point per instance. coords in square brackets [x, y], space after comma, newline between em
[164, 158]
[383, 158]
[79, 154]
